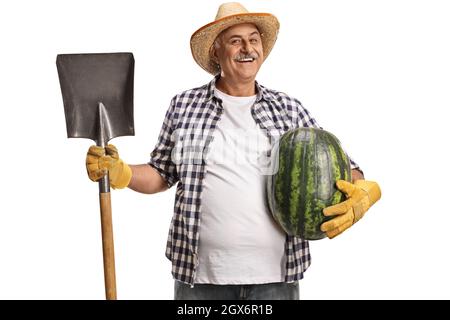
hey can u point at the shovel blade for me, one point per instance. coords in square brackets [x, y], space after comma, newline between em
[94, 85]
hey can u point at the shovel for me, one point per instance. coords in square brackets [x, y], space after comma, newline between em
[97, 91]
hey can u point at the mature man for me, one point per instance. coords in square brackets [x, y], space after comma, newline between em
[214, 142]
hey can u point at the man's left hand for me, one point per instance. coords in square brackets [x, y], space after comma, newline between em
[361, 195]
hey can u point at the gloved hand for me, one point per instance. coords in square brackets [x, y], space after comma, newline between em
[360, 197]
[101, 160]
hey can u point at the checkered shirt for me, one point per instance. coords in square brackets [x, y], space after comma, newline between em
[179, 157]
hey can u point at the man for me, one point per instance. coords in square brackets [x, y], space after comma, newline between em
[222, 242]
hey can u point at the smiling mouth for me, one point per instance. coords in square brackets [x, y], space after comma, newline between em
[245, 60]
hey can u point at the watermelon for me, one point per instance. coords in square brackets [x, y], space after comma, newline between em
[308, 162]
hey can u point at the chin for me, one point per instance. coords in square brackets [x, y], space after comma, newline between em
[248, 73]
[251, 75]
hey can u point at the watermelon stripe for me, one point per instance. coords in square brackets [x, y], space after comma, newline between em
[301, 161]
[341, 157]
[294, 176]
[284, 179]
[334, 160]
[309, 182]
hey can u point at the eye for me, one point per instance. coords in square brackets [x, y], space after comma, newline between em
[254, 41]
[235, 41]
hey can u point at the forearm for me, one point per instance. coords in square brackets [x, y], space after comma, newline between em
[357, 175]
[147, 180]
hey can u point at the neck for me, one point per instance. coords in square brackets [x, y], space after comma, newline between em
[236, 89]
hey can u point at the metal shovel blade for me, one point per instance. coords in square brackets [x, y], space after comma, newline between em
[97, 91]
[90, 79]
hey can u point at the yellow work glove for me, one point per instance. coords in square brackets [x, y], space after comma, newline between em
[360, 197]
[101, 160]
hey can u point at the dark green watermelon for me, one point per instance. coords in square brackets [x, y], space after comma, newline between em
[310, 161]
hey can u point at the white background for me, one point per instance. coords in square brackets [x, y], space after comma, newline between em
[375, 73]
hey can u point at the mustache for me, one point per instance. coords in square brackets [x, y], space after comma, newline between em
[246, 56]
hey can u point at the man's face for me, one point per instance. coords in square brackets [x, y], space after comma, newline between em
[239, 52]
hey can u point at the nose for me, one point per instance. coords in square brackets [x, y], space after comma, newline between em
[246, 48]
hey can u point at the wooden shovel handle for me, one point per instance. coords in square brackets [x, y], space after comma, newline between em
[108, 246]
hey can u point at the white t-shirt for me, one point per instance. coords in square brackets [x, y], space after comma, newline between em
[239, 242]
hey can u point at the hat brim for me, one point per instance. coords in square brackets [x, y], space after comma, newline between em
[203, 39]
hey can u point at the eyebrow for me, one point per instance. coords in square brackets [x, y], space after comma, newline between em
[240, 36]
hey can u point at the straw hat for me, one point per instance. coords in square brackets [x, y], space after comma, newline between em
[230, 14]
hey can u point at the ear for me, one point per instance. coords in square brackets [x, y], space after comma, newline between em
[213, 54]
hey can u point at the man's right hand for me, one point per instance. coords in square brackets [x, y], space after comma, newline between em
[101, 160]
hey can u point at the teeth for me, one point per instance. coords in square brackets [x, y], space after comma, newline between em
[246, 60]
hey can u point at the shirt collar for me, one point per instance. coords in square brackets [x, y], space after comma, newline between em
[261, 92]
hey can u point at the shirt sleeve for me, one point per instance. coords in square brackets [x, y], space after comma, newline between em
[161, 156]
[306, 120]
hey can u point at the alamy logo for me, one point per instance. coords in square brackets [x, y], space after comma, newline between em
[234, 147]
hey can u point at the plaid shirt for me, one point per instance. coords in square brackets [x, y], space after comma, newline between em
[179, 156]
